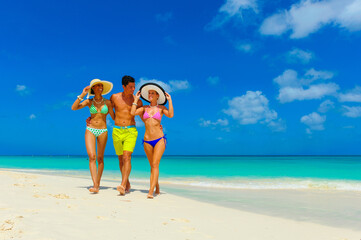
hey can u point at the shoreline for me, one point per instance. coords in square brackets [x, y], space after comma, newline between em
[68, 209]
[311, 205]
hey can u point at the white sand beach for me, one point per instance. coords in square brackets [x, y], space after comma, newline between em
[34, 206]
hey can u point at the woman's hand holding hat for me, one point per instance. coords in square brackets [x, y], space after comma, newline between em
[137, 96]
[85, 90]
[168, 97]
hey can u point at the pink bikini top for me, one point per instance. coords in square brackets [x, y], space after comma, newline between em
[155, 116]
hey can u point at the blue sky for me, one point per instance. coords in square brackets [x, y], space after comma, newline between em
[246, 76]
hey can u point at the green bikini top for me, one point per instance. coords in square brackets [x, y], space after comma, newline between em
[93, 109]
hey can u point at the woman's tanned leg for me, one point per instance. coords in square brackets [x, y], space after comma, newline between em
[154, 160]
[102, 141]
[90, 148]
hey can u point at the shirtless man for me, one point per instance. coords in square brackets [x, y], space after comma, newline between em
[124, 132]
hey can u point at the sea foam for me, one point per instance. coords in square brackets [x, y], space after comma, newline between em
[274, 183]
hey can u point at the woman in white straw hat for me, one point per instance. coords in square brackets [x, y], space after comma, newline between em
[154, 141]
[96, 131]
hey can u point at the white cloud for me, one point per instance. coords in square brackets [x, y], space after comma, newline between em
[22, 90]
[308, 16]
[250, 108]
[208, 123]
[177, 85]
[234, 7]
[277, 125]
[325, 106]
[32, 116]
[275, 25]
[312, 75]
[172, 86]
[353, 112]
[245, 47]
[213, 80]
[314, 121]
[350, 17]
[298, 55]
[205, 123]
[351, 96]
[294, 88]
[289, 94]
[288, 79]
[165, 17]
[231, 9]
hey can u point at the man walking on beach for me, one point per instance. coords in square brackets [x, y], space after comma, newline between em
[124, 132]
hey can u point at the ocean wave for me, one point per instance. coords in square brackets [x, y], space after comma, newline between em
[259, 184]
[230, 183]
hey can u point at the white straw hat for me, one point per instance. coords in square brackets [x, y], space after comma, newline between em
[144, 92]
[107, 86]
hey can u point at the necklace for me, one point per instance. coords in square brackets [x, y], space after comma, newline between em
[153, 106]
[99, 101]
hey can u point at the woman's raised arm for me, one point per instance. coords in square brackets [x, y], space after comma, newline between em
[78, 104]
[169, 112]
[136, 111]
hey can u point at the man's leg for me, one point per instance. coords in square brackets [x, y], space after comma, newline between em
[121, 163]
[118, 139]
[120, 158]
[130, 139]
[126, 168]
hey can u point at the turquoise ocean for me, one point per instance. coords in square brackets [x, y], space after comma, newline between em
[322, 189]
[226, 172]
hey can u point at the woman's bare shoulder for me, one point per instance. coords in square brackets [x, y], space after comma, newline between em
[87, 102]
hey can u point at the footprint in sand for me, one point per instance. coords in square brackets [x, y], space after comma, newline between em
[19, 185]
[8, 225]
[38, 196]
[8, 230]
[60, 196]
[38, 185]
[180, 220]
